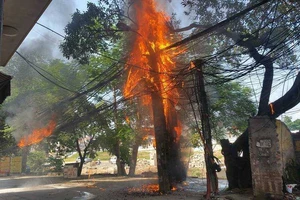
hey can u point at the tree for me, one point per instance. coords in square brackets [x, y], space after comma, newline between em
[38, 85]
[92, 31]
[81, 138]
[105, 63]
[292, 125]
[243, 46]
[265, 37]
[231, 106]
[36, 160]
[7, 141]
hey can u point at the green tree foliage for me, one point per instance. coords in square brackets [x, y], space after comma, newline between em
[292, 125]
[94, 37]
[7, 142]
[267, 36]
[36, 160]
[231, 107]
[271, 26]
[92, 31]
[263, 42]
[50, 85]
[55, 163]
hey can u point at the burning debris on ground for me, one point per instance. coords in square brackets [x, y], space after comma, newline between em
[150, 190]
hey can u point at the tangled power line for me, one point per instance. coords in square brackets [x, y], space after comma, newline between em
[289, 42]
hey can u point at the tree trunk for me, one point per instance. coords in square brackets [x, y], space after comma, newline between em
[133, 159]
[235, 164]
[238, 169]
[288, 101]
[120, 166]
[79, 170]
[118, 161]
[25, 152]
[82, 157]
[177, 170]
[161, 137]
[242, 164]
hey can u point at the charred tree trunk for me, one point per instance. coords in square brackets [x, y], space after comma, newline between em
[177, 170]
[288, 101]
[161, 137]
[238, 169]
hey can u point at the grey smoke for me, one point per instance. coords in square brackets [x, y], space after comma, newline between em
[43, 44]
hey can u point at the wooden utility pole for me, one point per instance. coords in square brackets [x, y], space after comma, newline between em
[212, 179]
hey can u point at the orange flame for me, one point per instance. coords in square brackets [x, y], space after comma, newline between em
[150, 189]
[272, 108]
[152, 36]
[127, 119]
[37, 135]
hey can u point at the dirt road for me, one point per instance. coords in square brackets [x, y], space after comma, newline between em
[103, 187]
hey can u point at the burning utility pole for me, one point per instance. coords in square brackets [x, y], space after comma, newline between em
[162, 136]
[152, 79]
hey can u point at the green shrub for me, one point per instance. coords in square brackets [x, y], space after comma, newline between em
[36, 160]
[55, 164]
[292, 172]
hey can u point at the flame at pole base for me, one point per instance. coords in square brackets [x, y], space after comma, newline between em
[37, 135]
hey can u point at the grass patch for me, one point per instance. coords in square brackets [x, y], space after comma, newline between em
[103, 155]
[100, 155]
[106, 156]
[72, 158]
[195, 172]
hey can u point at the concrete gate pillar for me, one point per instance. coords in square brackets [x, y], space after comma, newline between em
[265, 158]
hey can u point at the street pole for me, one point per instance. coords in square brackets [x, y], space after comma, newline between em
[212, 179]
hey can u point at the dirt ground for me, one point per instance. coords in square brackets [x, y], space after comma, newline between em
[108, 187]
[100, 182]
[102, 187]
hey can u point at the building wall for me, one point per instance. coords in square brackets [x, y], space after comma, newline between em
[266, 158]
[285, 142]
